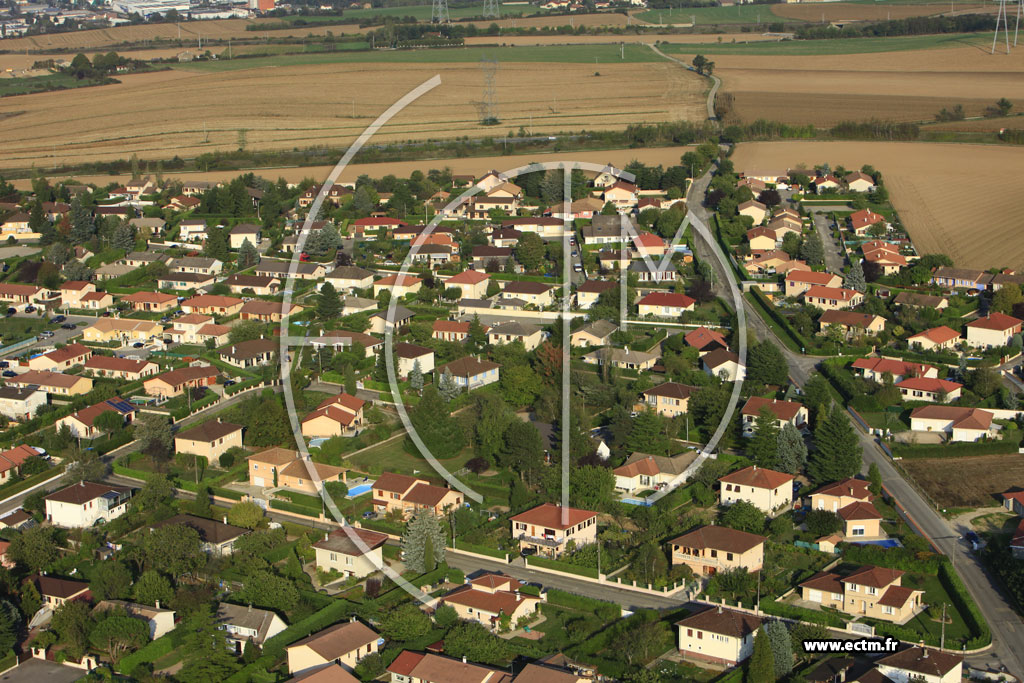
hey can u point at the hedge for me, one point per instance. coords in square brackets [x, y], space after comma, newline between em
[480, 549]
[186, 410]
[779, 609]
[296, 508]
[152, 651]
[893, 558]
[561, 566]
[581, 603]
[953, 450]
[30, 481]
[965, 604]
[9, 660]
[241, 386]
[791, 338]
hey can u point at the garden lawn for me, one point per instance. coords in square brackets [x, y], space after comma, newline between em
[392, 457]
[935, 594]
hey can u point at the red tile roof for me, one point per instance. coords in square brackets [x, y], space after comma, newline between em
[837, 293]
[811, 276]
[719, 538]
[758, 477]
[782, 410]
[550, 515]
[938, 335]
[467, 277]
[859, 510]
[996, 321]
[667, 299]
[928, 384]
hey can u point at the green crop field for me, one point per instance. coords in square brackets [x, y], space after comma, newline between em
[579, 54]
[839, 46]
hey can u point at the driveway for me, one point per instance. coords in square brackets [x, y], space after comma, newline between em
[41, 671]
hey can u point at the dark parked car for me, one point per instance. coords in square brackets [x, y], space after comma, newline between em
[68, 326]
[229, 382]
[10, 373]
[30, 309]
[137, 345]
[57, 319]
[11, 311]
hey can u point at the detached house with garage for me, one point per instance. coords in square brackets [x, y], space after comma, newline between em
[597, 333]
[664, 305]
[993, 331]
[506, 333]
[491, 597]
[712, 549]
[284, 468]
[548, 528]
[470, 372]
[153, 302]
[960, 424]
[210, 440]
[127, 369]
[61, 359]
[339, 415]
[409, 495]
[717, 635]
[832, 298]
[767, 490]
[867, 591]
[941, 338]
[250, 353]
[342, 644]
[86, 503]
[536, 293]
[669, 399]
[82, 423]
[339, 551]
[799, 281]
[175, 382]
[646, 471]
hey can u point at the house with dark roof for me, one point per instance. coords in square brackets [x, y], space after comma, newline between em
[86, 503]
[21, 403]
[210, 440]
[783, 411]
[717, 635]
[250, 353]
[506, 333]
[350, 551]
[343, 644]
[408, 355]
[409, 495]
[217, 538]
[924, 664]
[266, 311]
[382, 320]
[668, 399]
[625, 359]
[646, 471]
[548, 528]
[868, 591]
[767, 490]
[590, 291]
[724, 364]
[56, 591]
[712, 549]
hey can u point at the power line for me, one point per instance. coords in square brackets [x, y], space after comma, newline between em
[492, 9]
[439, 12]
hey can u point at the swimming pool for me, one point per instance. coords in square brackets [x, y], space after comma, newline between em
[637, 501]
[356, 491]
[886, 543]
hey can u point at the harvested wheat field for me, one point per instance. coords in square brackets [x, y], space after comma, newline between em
[653, 156]
[614, 40]
[163, 114]
[900, 86]
[838, 11]
[966, 482]
[951, 197]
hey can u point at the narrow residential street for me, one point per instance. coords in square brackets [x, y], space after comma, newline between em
[834, 260]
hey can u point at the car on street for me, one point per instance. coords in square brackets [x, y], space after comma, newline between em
[973, 540]
[11, 311]
[137, 345]
[30, 309]
[229, 382]
[45, 334]
[10, 373]
[68, 326]
[57, 319]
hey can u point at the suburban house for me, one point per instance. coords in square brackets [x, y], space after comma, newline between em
[266, 311]
[53, 382]
[121, 329]
[546, 529]
[597, 333]
[195, 265]
[723, 363]
[82, 425]
[397, 285]
[875, 369]
[382, 320]
[284, 468]
[646, 471]
[834, 497]
[408, 355]
[212, 304]
[648, 244]
[536, 293]
[350, 305]
[861, 221]
[922, 664]
[783, 411]
[185, 282]
[590, 291]
[160, 621]
[175, 382]
[669, 399]
[861, 521]
[342, 644]
[244, 232]
[767, 490]
[347, 278]
[825, 184]
[410, 495]
[832, 298]
[753, 209]
[338, 551]
[284, 270]
[427, 667]
[127, 369]
[799, 281]
[243, 624]
[55, 592]
[859, 182]
[450, 330]
[712, 549]
[339, 340]
[960, 278]
[141, 259]
[21, 294]
[72, 291]
[918, 300]
[250, 353]
[217, 538]
[851, 323]
[993, 331]
[192, 230]
[196, 329]
[339, 415]
[960, 424]
[941, 338]
[926, 389]
[621, 358]
[210, 440]
[873, 592]
[491, 597]
[255, 284]
[20, 403]
[717, 635]
[762, 239]
[12, 459]
[86, 503]
[653, 272]
[470, 372]
[506, 333]
[664, 304]
[705, 340]
[60, 359]
[473, 283]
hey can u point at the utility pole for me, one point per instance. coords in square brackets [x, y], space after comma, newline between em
[942, 638]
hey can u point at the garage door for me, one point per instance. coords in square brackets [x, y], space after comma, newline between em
[814, 596]
[258, 481]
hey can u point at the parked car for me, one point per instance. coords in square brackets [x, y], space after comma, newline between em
[11, 311]
[368, 514]
[10, 373]
[68, 326]
[137, 345]
[45, 334]
[973, 539]
[30, 309]
[57, 319]
[229, 382]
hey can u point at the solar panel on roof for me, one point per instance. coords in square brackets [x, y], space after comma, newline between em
[122, 406]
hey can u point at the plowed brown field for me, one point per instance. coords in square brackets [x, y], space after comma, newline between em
[901, 86]
[966, 482]
[838, 11]
[160, 115]
[954, 199]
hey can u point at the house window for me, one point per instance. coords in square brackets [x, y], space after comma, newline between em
[887, 610]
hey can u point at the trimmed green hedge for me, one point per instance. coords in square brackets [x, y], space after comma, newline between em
[152, 651]
[241, 386]
[561, 566]
[790, 337]
[965, 604]
[779, 609]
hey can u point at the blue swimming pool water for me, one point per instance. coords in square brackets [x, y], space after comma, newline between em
[887, 543]
[637, 501]
[359, 490]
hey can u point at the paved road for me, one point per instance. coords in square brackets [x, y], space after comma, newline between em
[60, 335]
[834, 258]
